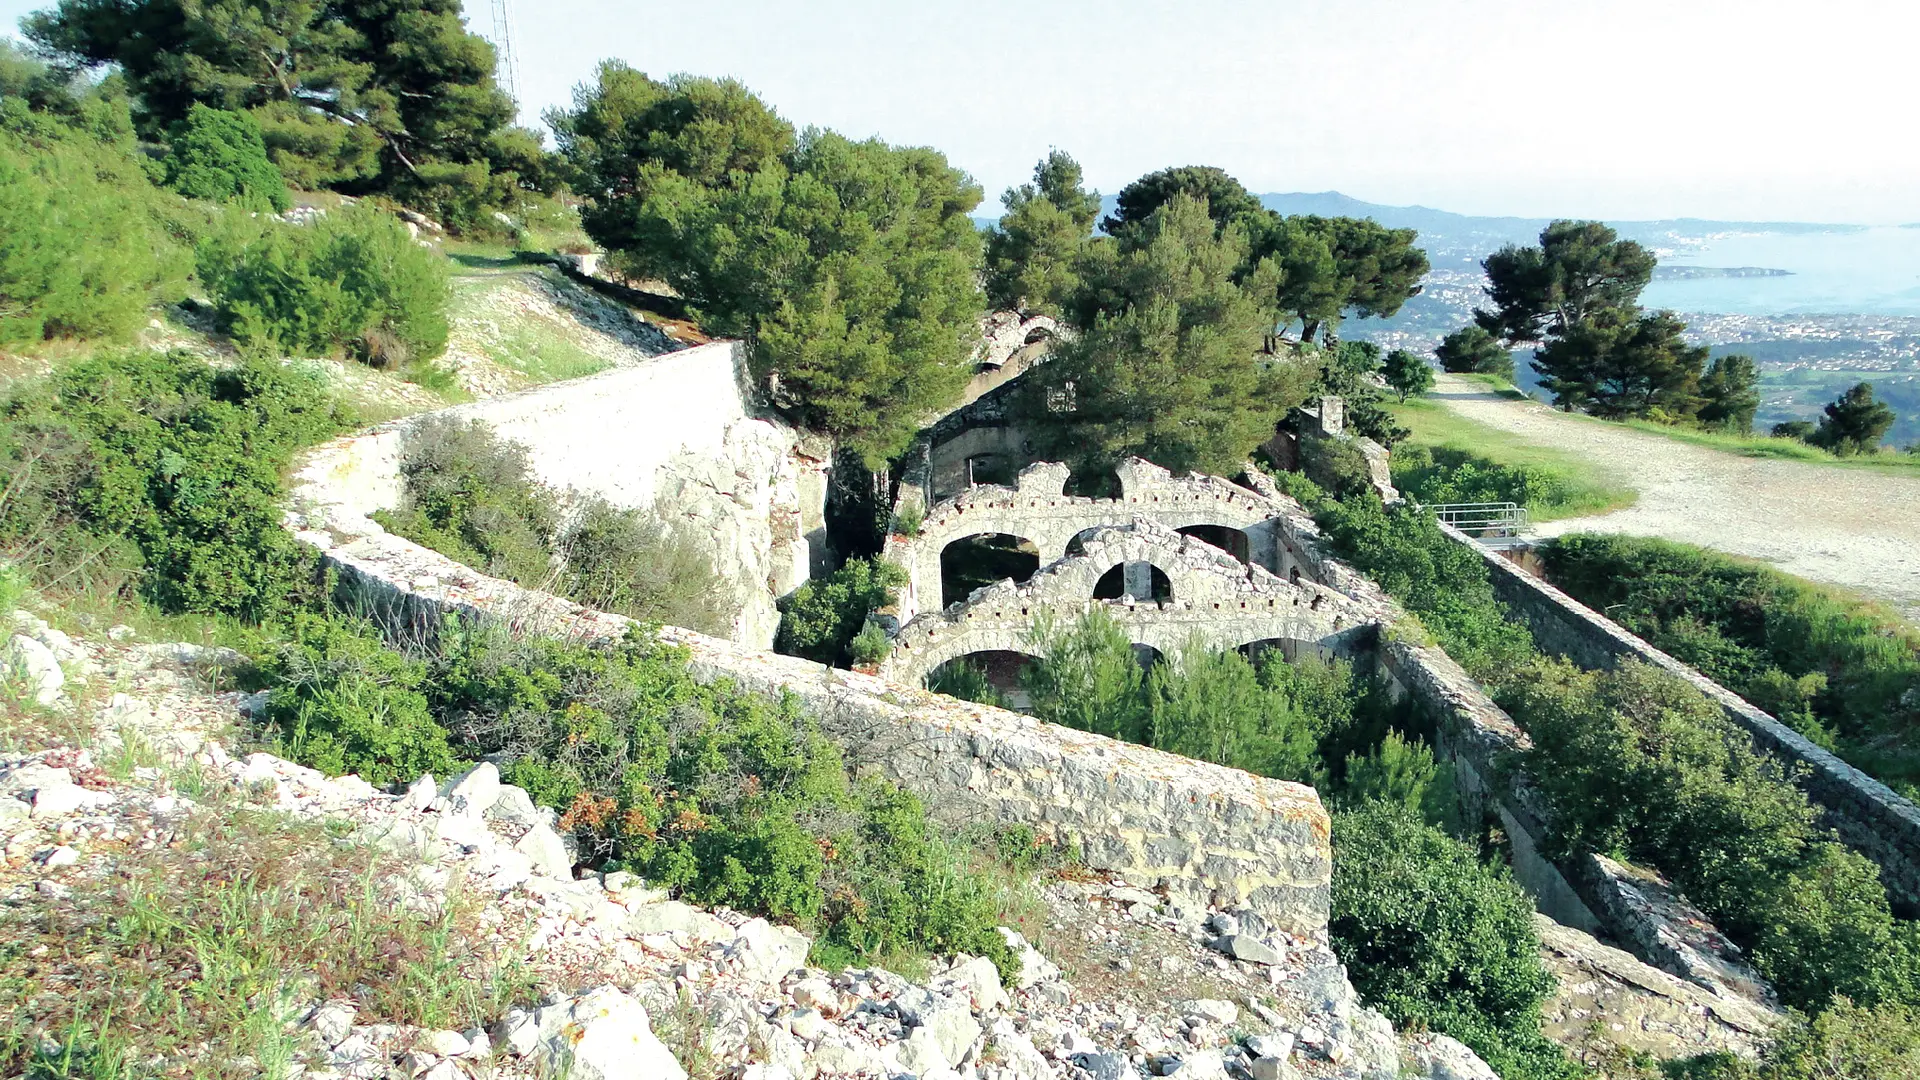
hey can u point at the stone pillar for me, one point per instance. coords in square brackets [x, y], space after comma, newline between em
[1333, 416]
[1137, 578]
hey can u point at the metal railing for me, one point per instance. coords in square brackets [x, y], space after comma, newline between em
[1495, 518]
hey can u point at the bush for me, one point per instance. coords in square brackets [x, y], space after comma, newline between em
[162, 455]
[821, 618]
[344, 703]
[1434, 936]
[472, 496]
[729, 798]
[352, 282]
[220, 156]
[86, 249]
[636, 564]
[1445, 474]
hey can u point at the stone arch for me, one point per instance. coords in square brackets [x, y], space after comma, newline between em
[1233, 541]
[978, 559]
[1138, 579]
[1003, 670]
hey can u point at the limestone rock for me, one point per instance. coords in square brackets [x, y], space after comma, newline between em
[600, 1035]
[332, 1021]
[1034, 968]
[982, 982]
[1249, 948]
[1106, 1066]
[60, 800]
[949, 1020]
[674, 917]
[767, 952]
[547, 851]
[1212, 1010]
[1437, 1057]
[36, 668]
[474, 791]
[1200, 1065]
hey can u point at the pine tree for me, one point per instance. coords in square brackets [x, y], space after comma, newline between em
[1855, 423]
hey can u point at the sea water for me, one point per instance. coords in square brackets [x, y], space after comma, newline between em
[1870, 271]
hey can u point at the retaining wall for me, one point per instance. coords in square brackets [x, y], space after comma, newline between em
[1200, 832]
[1869, 816]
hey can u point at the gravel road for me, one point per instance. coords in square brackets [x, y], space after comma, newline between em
[1857, 528]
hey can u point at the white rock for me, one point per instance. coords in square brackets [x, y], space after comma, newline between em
[601, 1035]
[816, 994]
[59, 857]
[674, 917]
[445, 1043]
[547, 850]
[1212, 1010]
[1016, 1052]
[949, 1020]
[1034, 968]
[1437, 1057]
[420, 794]
[982, 981]
[1271, 1068]
[767, 952]
[766, 1072]
[1200, 1065]
[439, 1070]
[514, 806]
[920, 1053]
[332, 1021]
[808, 1024]
[36, 668]
[1106, 1066]
[1271, 1046]
[474, 791]
[120, 632]
[62, 799]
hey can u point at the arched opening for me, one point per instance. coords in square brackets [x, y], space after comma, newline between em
[990, 469]
[1225, 537]
[1078, 545]
[1147, 655]
[982, 559]
[1140, 580]
[990, 677]
[1293, 652]
[1093, 484]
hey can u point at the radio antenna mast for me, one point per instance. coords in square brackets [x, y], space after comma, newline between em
[506, 66]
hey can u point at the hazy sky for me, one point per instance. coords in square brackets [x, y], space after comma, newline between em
[1616, 108]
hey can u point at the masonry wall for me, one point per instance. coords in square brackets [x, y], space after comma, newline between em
[1866, 814]
[674, 434]
[1201, 832]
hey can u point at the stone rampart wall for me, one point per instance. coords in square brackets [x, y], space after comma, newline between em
[1868, 815]
[1200, 831]
[674, 434]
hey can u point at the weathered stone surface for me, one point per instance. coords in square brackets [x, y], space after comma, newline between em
[674, 917]
[1250, 948]
[600, 1035]
[767, 952]
[948, 1021]
[35, 667]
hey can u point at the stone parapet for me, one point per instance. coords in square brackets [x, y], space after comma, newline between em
[1868, 816]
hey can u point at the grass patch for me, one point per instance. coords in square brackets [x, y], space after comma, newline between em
[1768, 446]
[1450, 458]
[202, 952]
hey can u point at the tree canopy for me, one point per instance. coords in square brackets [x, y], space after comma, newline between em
[849, 267]
[1579, 268]
[392, 96]
[1330, 267]
[1033, 252]
[1618, 363]
[1168, 366]
[1855, 423]
[1730, 394]
[220, 156]
[1226, 199]
[1407, 374]
[1471, 349]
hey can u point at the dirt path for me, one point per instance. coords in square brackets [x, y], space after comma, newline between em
[1857, 528]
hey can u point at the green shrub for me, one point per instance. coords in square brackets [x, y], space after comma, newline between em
[821, 618]
[86, 248]
[1336, 465]
[1443, 582]
[632, 562]
[344, 703]
[1446, 474]
[472, 496]
[163, 456]
[220, 156]
[1434, 936]
[964, 680]
[353, 281]
[1832, 667]
[730, 798]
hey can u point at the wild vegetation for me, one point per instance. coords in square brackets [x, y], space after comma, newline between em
[1840, 671]
[473, 496]
[1637, 764]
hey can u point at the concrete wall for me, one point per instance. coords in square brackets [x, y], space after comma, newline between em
[1868, 815]
[674, 434]
[1196, 830]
